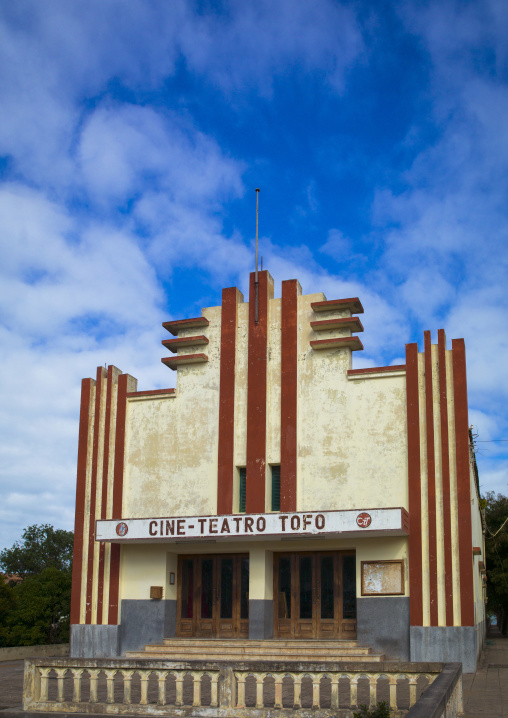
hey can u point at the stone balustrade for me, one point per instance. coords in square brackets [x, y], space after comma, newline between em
[199, 688]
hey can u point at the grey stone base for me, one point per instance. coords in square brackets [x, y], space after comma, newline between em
[447, 644]
[260, 619]
[383, 624]
[146, 622]
[95, 641]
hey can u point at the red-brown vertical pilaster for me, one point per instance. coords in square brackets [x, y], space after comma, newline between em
[431, 480]
[101, 375]
[445, 472]
[414, 486]
[79, 519]
[126, 383]
[288, 389]
[256, 392]
[463, 482]
[104, 493]
[225, 467]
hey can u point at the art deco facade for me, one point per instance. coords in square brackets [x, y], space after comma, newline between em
[278, 492]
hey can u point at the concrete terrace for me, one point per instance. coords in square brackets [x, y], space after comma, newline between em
[485, 692]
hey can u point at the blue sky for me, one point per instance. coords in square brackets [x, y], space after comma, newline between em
[132, 136]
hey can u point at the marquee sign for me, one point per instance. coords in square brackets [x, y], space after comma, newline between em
[374, 522]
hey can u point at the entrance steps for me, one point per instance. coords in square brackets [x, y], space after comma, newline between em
[242, 649]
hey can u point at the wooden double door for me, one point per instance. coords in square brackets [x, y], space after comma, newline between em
[315, 595]
[213, 596]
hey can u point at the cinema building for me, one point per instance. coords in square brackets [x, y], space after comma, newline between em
[278, 492]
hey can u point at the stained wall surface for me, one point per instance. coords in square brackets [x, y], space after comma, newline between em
[276, 387]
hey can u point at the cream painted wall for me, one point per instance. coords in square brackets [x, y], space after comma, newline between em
[142, 566]
[241, 366]
[171, 442]
[272, 395]
[478, 540]
[351, 434]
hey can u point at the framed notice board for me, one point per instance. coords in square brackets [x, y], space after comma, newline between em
[383, 578]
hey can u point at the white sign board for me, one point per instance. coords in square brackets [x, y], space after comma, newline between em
[393, 521]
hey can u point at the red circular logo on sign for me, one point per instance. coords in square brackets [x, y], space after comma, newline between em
[122, 529]
[363, 520]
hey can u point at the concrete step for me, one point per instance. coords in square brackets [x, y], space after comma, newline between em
[275, 642]
[260, 650]
[239, 657]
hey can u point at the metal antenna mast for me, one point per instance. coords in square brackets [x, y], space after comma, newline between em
[256, 284]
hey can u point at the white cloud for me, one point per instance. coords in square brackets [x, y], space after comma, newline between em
[125, 148]
[250, 45]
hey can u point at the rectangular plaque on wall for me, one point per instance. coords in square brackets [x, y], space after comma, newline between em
[382, 578]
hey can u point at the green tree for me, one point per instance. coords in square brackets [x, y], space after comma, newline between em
[41, 613]
[7, 603]
[41, 547]
[496, 549]
[38, 606]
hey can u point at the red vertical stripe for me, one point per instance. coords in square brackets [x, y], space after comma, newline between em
[79, 519]
[288, 399]
[256, 395]
[230, 299]
[445, 471]
[414, 486]
[114, 569]
[101, 373]
[104, 496]
[431, 481]
[463, 482]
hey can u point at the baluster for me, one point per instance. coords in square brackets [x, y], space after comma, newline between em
[60, 673]
[393, 691]
[144, 676]
[127, 678]
[316, 682]
[110, 684]
[179, 688]
[76, 685]
[240, 701]
[353, 682]
[278, 689]
[161, 678]
[44, 672]
[214, 688]
[298, 690]
[334, 705]
[94, 675]
[196, 685]
[260, 677]
[412, 689]
[373, 689]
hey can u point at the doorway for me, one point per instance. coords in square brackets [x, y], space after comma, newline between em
[213, 596]
[315, 595]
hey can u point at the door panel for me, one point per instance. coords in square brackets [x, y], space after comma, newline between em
[185, 604]
[207, 613]
[315, 595]
[227, 586]
[327, 596]
[306, 596]
[348, 596]
[213, 596]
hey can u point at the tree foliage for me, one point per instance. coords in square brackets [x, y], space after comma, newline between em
[41, 612]
[7, 603]
[382, 710]
[496, 549]
[36, 610]
[41, 547]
